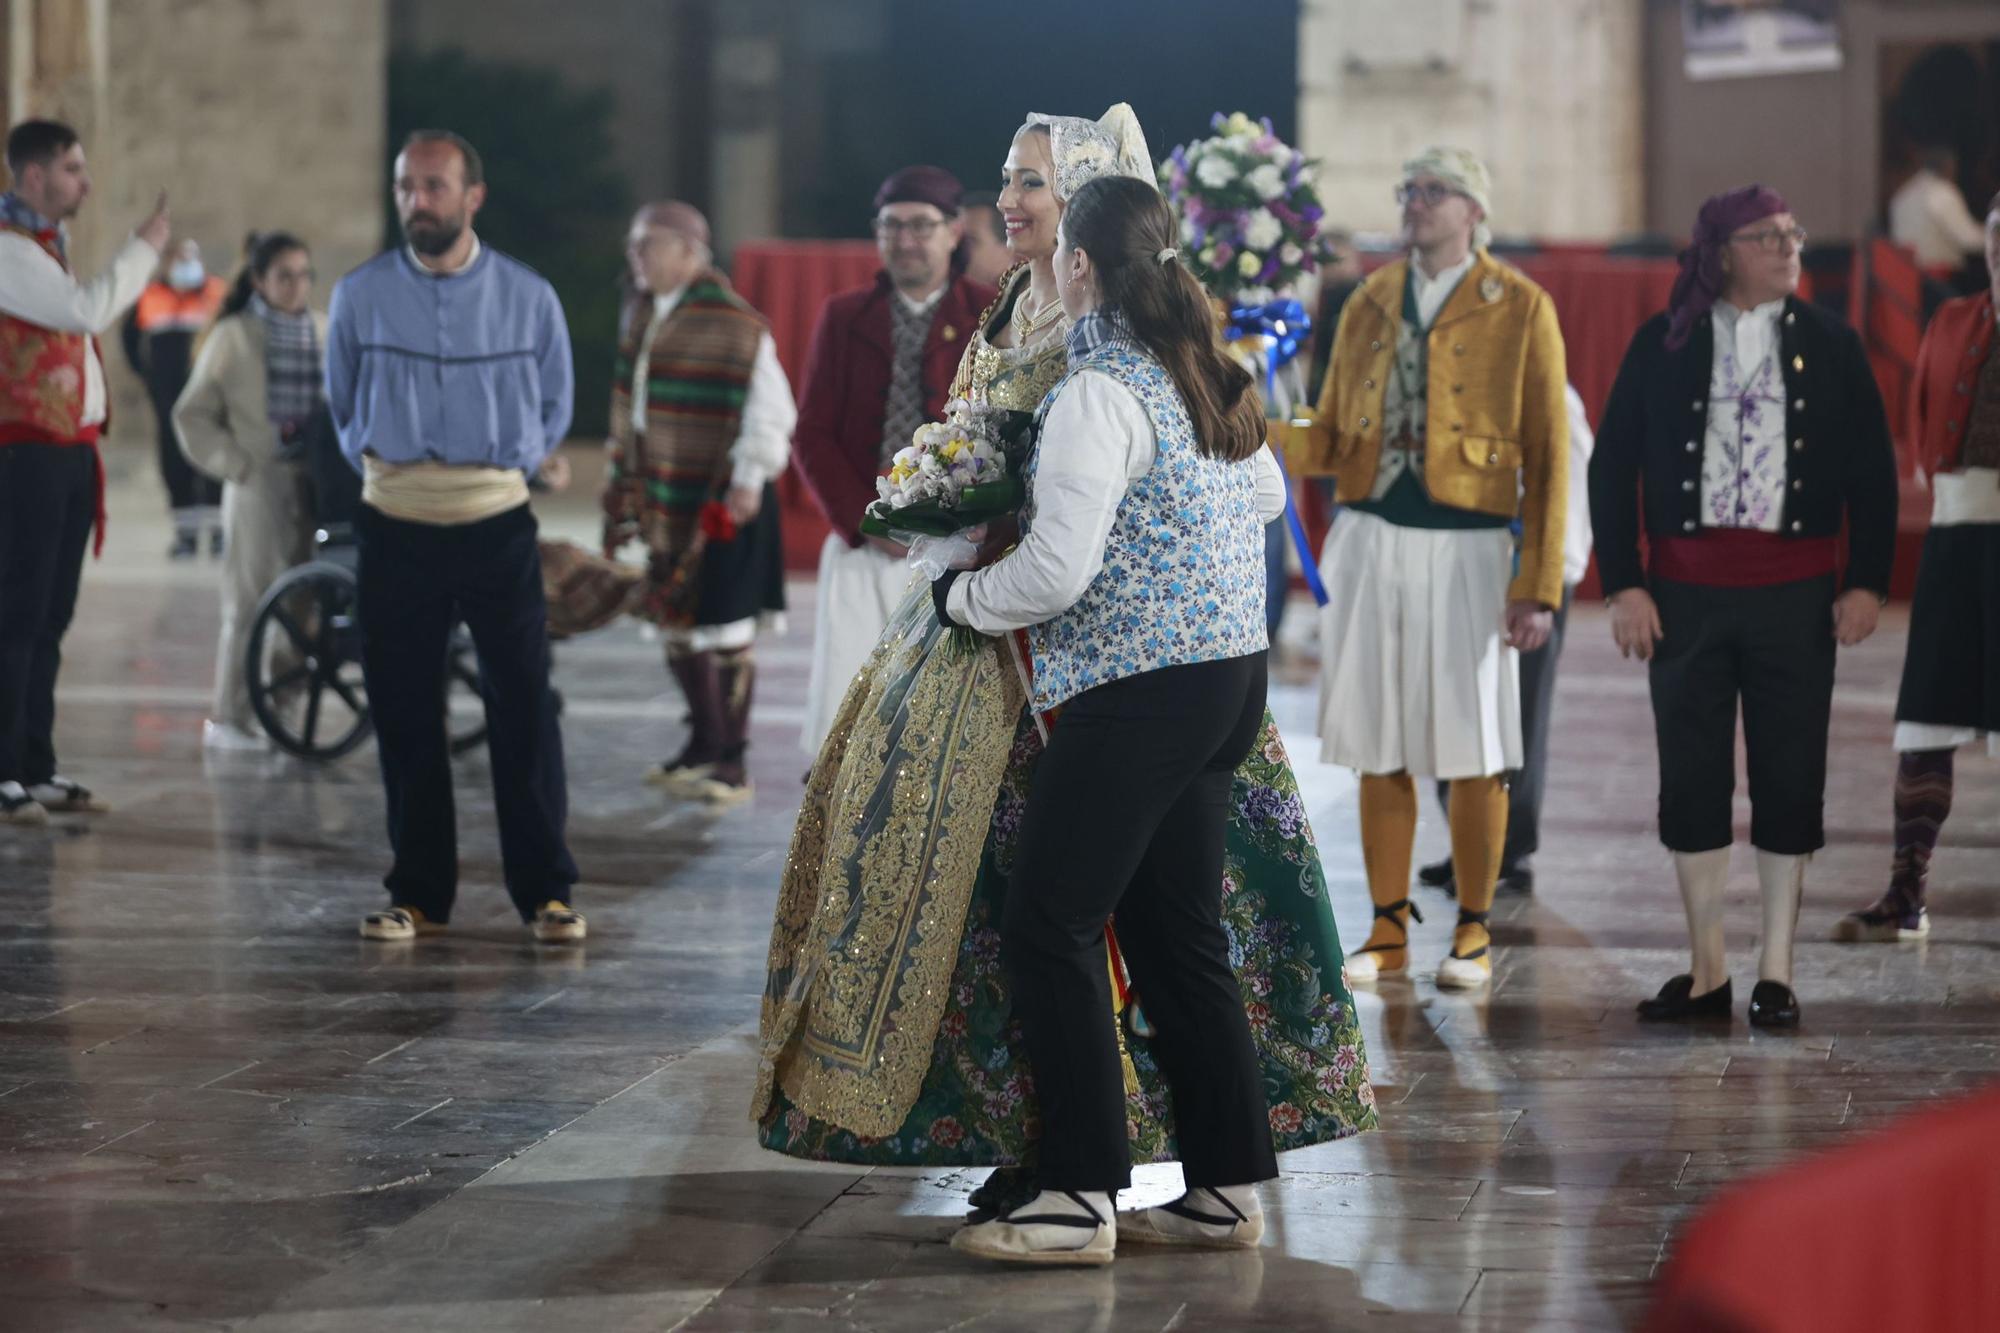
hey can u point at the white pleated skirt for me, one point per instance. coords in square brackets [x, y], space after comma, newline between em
[858, 588]
[1415, 672]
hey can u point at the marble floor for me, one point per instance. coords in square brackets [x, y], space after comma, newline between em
[219, 1108]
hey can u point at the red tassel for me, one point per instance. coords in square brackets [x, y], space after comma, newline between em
[716, 522]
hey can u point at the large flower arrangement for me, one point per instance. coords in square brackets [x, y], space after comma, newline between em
[1249, 212]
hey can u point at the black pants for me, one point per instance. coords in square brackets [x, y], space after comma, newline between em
[1526, 783]
[1127, 814]
[418, 581]
[1773, 649]
[47, 507]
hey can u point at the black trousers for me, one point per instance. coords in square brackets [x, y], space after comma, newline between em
[418, 582]
[1771, 648]
[1127, 814]
[48, 504]
[1526, 784]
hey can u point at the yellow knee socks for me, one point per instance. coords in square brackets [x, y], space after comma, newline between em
[1388, 840]
[1478, 833]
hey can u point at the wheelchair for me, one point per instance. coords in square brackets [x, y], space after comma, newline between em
[303, 659]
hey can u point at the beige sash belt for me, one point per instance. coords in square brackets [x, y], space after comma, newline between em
[440, 495]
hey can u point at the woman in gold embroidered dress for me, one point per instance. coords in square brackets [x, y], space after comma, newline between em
[885, 1034]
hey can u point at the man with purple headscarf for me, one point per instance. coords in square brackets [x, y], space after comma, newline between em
[1751, 422]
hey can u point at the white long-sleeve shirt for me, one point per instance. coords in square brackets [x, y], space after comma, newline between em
[1096, 441]
[34, 287]
[1576, 530]
[764, 434]
[1929, 215]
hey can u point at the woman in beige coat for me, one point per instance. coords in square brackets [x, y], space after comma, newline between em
[242, 419]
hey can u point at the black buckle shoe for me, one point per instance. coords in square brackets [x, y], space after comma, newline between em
[1677, 1003]
[1772, 1005]
[1436, 875]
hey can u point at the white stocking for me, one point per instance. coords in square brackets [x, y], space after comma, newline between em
[1703, 877]
[1782, 880]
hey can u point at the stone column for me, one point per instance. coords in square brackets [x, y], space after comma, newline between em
[746, 145]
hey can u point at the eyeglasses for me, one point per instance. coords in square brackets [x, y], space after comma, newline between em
[1772, 239]
[1432, 193]
[920, 230]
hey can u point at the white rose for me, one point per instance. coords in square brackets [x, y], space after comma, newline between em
[1249, 263]
[1189, 231]
[1266, 180]
[1290, 255]
[1214, 170]
[1262, 230]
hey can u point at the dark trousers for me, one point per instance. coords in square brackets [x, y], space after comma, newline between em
[1127, 814]
[1525, 784]
[186, 487]
[418, 581]
[47, 507]
[1773, 649]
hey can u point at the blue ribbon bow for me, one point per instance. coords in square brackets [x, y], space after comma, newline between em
[1281, 326]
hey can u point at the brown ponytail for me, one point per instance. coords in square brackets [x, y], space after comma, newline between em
[1124, 225]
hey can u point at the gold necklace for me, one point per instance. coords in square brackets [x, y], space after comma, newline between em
[1026, 328]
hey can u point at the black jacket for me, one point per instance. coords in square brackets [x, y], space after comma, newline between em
[1840, 466]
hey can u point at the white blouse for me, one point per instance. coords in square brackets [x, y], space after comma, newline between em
[1096, 441]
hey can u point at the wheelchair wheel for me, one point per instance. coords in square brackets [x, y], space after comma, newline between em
[303, 664]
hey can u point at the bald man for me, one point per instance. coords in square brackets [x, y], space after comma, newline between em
[701, 426]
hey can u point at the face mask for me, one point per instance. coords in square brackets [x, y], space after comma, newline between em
[186, 274]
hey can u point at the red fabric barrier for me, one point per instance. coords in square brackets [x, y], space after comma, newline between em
[1600, 302]
[787, 282]
[1897, 1231]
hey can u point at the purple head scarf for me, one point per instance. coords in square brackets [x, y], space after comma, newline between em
[1701, 277]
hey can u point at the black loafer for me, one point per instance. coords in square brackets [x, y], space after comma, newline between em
[1676, 1003]
[1436, 875]
[1772, 1005]
[1517, 879]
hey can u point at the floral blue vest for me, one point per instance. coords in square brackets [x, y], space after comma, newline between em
[1183, 576]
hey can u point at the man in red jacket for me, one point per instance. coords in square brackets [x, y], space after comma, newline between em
[1951, 672]
[882, 359]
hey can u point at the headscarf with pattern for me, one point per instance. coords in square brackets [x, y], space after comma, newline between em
[1462, 171]
[1702, 277]
[1112, 145]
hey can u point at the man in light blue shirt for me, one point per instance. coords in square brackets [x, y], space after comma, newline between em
[449, 379]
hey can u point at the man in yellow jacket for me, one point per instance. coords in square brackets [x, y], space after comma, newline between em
[1443, 424]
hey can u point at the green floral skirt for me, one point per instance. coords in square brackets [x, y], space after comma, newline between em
[977, 1103]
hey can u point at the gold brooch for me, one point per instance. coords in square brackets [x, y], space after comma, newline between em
[1492, 289]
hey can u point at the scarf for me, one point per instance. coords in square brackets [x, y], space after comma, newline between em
[1701, 278]
[292, 372]
[14, 212]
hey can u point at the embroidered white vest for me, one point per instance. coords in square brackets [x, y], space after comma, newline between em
[1183, 575]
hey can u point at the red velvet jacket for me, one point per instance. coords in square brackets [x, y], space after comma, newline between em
[838, 445]
[1949, 362]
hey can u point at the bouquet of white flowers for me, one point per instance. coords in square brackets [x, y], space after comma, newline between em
[1250, 215]
[953, 475]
